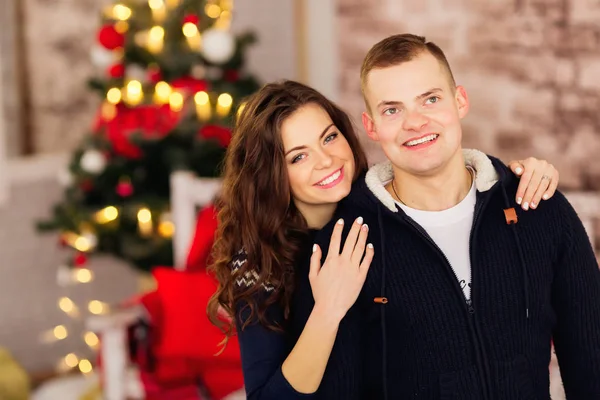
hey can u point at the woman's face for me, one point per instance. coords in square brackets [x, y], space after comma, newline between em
[319, 160]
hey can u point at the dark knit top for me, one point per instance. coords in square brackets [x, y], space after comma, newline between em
[532, 282]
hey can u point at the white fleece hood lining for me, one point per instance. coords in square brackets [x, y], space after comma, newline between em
[485, 176]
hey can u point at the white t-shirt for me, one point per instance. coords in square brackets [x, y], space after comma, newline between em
[450, 229]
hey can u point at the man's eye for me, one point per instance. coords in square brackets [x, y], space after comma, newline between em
[432, 100]
[390, 111]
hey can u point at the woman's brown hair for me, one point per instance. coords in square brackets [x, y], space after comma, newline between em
[256, 211]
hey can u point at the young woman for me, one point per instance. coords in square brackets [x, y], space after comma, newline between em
[294, 155]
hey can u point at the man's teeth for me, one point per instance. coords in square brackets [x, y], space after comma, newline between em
[421, 140]
[330, 179]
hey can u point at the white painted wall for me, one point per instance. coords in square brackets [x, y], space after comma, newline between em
[321, 47]
[274, 56]
[3, 141]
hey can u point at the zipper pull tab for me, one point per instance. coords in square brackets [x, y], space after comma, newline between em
[470, 307]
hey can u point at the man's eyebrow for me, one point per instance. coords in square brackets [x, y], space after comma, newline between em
[389, 103]
[399, 103]
[429, 93]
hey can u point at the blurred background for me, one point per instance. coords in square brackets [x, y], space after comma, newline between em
[114, 116]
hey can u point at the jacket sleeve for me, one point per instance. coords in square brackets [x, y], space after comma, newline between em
[576, 300]
[263, 350]
[344, 375]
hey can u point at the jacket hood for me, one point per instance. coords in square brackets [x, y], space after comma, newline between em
[488, 172]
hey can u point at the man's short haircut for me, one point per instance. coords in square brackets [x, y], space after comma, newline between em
[398, 49]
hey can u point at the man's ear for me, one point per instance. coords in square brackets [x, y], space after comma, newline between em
[462, 101]
[369, 126]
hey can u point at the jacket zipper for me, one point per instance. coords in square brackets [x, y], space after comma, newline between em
[479, 351]
[472, 238]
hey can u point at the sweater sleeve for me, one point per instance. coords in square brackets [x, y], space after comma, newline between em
[263, 350]
[576, 300]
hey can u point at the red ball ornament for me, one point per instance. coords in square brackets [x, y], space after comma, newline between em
[124, 188]
[87, 185]
[110, 38]
[117, 71]
[80, 260]
[215, 132]
[62, 241]
[190, 84]
[232, 75]
[191, 18]
[154, 75]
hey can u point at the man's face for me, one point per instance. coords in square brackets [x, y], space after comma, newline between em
[415, 114]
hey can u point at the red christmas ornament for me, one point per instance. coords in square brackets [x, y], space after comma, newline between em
[80, 260]
[190, 84]
[110, 38]
[220, 133]
[154, 75]
[87, 185]
[191, 18]
[62, 242]
[232, 75]
[116, 71]
[124, 188]
[151, 121]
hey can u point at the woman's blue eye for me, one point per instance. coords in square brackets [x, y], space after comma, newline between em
[331, 137]
[297, 158]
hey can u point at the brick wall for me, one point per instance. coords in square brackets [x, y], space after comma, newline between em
[58, 38]
[531, 69]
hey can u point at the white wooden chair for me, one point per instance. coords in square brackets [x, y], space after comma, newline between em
[188, 193]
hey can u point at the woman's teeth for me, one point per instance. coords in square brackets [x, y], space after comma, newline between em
[330, 179]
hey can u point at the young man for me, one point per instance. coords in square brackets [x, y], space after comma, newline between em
[466, 290]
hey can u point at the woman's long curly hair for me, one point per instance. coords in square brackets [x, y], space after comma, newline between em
[256, 210]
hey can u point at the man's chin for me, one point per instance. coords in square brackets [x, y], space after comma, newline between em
[418, 167]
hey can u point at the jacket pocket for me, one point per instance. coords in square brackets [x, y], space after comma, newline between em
[461, 385]
[514, 380]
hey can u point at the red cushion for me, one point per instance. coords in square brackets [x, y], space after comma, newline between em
[152, 304]
[174, 371]
[155, 390]
[186, 330]
[204, 237]
[221, 381]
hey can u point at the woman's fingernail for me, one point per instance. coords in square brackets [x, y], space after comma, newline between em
[314, 248]
[359, 220]
[526, 206]
[545, 196]
[340, 221]
[519, 200]
[519, 170]
[370, 245]
[533, 205]
[365, 227]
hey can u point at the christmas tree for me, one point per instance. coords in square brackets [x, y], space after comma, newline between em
[172, 81]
